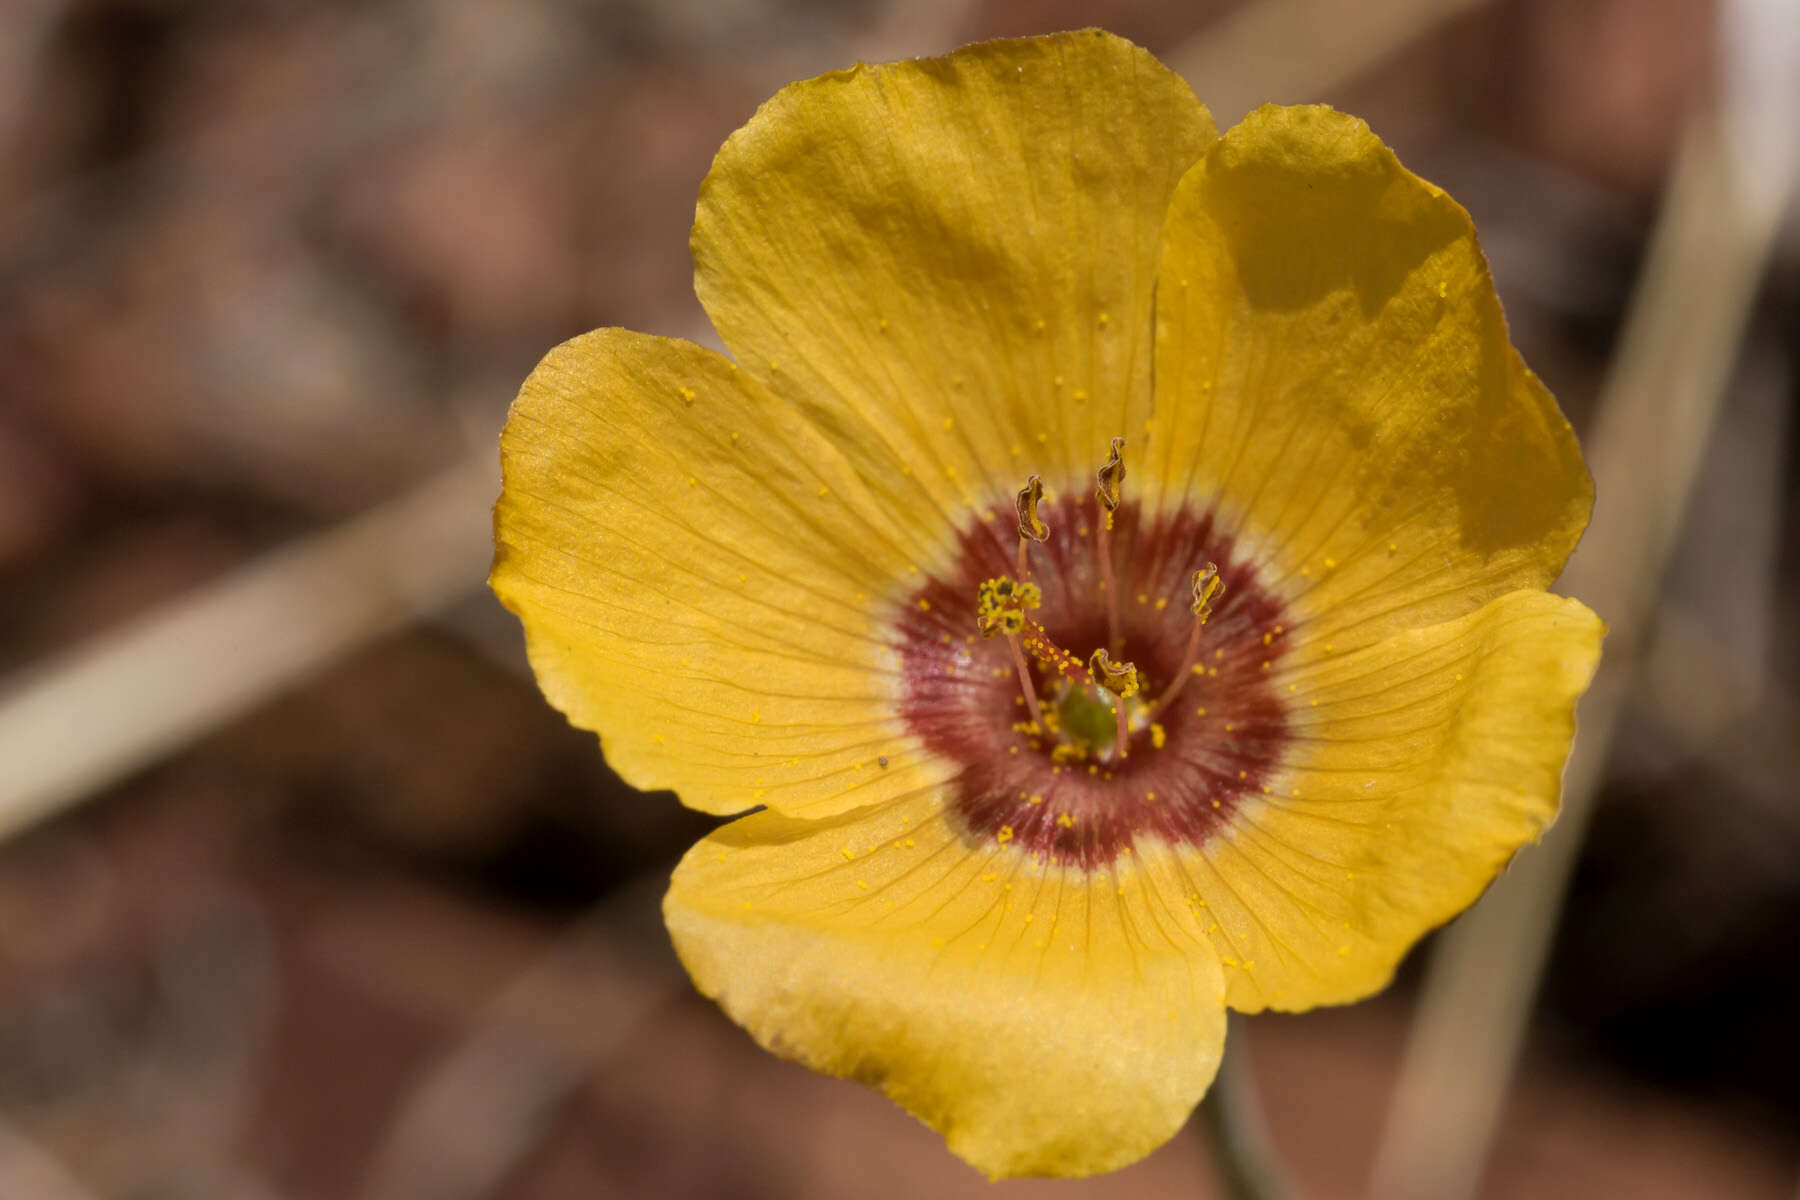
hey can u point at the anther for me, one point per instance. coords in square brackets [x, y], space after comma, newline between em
[1208, 587]
[1108, 479]
[1031, 529]
[1122, 680]
[1119, 678]
[1109, 482]
[1000, 605]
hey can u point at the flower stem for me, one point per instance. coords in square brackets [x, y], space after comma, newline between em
[1237, 1140]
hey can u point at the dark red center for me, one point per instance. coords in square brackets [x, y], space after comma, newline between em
[1222, 737]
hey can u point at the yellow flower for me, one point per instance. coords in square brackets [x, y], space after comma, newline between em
[1336, 696]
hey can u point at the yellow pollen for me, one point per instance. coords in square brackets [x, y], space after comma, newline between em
[1158, 736]
[949, 424]
[1005, 835]
[1065, 820]
[1035, 800]
[1150, 797]
[848, 853]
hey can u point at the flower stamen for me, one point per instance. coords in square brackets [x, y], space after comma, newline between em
[1109, 480]
[1208, 587]
[1122, 680]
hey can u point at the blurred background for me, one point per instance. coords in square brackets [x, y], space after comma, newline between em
[304, 891]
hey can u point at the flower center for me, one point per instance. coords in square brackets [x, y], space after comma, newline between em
[1083, 718]
[1112, 683]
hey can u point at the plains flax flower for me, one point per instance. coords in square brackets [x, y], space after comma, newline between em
[1112, 564]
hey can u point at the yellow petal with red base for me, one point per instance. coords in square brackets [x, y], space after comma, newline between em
[1045, 1020]
[1415, 769]
[1333, 373]
[948, 263]
[703, 580]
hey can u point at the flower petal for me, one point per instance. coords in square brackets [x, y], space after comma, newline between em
[947, 263]
[702, 580]
[1333, 371]
[1045, 1021]
[1418, 767]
